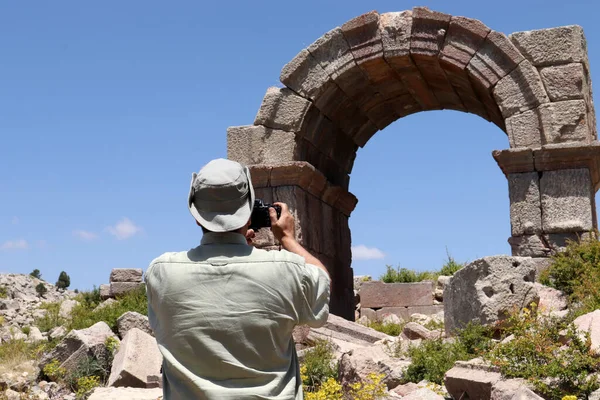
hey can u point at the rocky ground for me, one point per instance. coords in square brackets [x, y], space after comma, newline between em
[482, 290]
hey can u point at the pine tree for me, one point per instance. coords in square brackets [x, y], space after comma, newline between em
[41, 289]
[64, 281]
[36, 274]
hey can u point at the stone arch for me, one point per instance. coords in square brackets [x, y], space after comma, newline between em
[358, 78]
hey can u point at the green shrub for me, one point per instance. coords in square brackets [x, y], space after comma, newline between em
[15, 352]
[41, 289]
[36, 274]
[54, 371]
[26, 330]
[64, 280]
[576, 271]
[83, 315]
[3, 292]
[404, 275]
[549, 353]
[51, 319]
[433, 358]
[318, 365]
[85, 385]
[91, 298]
[389, 328]
[450, 267]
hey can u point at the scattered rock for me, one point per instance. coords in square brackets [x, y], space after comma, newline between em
[79, 344]
[391, 319]
[35, 335]
[413, 331]
[111, 393]
[137, 358]
[423, 394]
[57, 332]
[590, 322]
[405, 389]
[358, 363]
[104, 304]
[550, 299]
[132, 319]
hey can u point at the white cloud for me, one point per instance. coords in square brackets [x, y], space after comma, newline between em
[14, 220]
[124, 229]
[362, 252]
[19, 244]
[85, 235]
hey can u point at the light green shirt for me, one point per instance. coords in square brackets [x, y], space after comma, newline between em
[223, 315]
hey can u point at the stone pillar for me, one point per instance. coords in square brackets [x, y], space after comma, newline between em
[321, 211]
[551, 193]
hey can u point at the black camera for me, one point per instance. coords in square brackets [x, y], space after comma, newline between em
[260, 215]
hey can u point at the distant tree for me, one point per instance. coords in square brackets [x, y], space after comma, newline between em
[36, 274]
[41, 289]
[64, 281]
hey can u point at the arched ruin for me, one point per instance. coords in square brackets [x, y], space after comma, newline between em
[358, 78]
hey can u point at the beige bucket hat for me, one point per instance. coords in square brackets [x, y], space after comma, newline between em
[221, 195]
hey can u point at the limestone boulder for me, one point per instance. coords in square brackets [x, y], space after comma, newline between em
[57, 332]
[79, 344]
[120, 288]
[355, 365]
[111, 393]
[487, 289]
[132, 319]
[35, 335]
[551, 300]
[137, 358]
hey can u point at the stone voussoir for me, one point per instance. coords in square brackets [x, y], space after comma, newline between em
[520, 90]
[282, 109]
[495, 59]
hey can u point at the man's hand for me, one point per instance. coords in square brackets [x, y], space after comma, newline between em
[284, 228]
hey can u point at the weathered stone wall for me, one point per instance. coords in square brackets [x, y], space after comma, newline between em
[358, 78]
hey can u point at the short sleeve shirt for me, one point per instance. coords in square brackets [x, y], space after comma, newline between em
[223, 315]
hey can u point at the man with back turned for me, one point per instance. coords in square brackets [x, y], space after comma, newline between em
[223, 312]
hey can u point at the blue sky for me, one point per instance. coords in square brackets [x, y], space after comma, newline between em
[106, 108]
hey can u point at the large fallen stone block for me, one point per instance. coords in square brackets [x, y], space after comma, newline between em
[352, 329]
[355, 365]
[126, 275]
[80, 344]
[378, 294]
[488, 289]
[109, 393]
[120, 288]
[469, 381]
[132, 319]
[137, 358]
[104, 291]
[66, 307]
